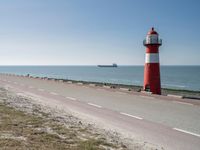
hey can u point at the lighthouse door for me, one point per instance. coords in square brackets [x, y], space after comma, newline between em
[147, 88]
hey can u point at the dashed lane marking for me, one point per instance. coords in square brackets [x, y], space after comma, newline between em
[71, 98]
[184, 131]
[53, 93]
[98, 106]
[185, 103]
[136, 117]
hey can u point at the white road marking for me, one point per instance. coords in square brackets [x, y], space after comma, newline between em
[148, 97]
[94, 105]
[53, 93]
[41, 90]
[131, 116]
[31, 87]
[184, 131]
[71, 98]
[185, 103]
[15, 83]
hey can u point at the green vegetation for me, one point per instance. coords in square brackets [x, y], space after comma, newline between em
[19, 130]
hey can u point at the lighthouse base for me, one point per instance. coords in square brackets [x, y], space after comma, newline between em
[152, 78]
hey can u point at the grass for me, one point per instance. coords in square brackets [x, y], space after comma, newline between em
[22, 131]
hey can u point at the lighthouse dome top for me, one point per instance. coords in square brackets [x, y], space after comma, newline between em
[152, 38]
[152, 31]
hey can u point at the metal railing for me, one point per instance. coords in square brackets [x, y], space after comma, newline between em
[158, 42]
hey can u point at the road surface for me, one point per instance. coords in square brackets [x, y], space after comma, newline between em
[171, 123]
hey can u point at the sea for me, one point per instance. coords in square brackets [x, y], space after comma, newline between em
[173, 77]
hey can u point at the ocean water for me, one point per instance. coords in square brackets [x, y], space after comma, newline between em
[175, 77]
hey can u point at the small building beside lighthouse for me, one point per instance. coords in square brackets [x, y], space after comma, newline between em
[152, 66]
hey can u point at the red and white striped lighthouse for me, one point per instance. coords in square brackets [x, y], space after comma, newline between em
[152, 66]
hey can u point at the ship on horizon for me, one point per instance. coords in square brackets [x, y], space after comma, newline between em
[113, 65]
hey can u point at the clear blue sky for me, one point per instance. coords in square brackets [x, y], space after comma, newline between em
[91, 32]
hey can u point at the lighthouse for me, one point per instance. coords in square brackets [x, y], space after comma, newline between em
[152, 67]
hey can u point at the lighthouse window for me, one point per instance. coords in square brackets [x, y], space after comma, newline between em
[153, 38]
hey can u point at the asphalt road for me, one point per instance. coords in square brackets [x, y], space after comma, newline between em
[168, 122]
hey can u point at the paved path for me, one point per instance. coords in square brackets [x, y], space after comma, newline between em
[170, 123]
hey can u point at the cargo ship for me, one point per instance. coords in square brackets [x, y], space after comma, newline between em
[113, 65]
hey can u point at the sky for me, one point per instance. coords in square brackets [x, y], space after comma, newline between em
[92, 32]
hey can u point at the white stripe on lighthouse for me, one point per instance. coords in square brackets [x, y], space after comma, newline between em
[152, 58]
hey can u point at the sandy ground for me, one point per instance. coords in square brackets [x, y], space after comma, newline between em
[33, 105]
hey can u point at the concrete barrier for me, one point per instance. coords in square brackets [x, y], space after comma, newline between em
[175, 96]
[92, 85]
[107, 87]
[146, 92]
[79, 83]
[124, 89]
